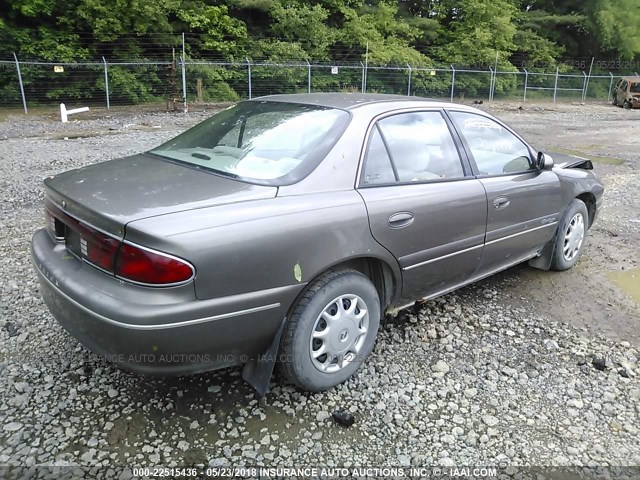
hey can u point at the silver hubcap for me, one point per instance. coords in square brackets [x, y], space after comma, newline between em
[339, 333]
[573, 237]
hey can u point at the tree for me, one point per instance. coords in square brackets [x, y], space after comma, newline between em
[479, 30]
[616, 24]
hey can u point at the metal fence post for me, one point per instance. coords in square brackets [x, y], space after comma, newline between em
[409, 81]
[610, 87]
[584, 87]
[309, 77]
[555, 87]
[24, 99]
[526, 84]
[249, 72]
[362, 87]
[453, 81]
[106, 81]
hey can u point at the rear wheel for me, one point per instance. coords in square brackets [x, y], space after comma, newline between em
[570, 236]
[331, 331]
[627, 105]
[615, 100]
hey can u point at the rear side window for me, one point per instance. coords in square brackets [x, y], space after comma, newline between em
[494, 149]
[378, 168]
[635, 87]
[411, 147]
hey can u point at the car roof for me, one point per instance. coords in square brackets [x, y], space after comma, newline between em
[345, 101]
[631, 79]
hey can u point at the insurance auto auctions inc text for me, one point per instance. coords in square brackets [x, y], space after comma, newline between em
[337, 472]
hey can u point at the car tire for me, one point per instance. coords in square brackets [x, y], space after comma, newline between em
[570, 236]
[627, 105]
[309, 330]
[615, 100]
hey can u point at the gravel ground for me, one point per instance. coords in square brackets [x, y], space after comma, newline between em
[525, 368]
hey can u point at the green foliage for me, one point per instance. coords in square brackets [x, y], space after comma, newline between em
[480, 30]
[617, 24]
[387, 35]
[532, 34]
[217, 83]
[303, 25]
[221, 33]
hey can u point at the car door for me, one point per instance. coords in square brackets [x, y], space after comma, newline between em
[523, 202]
[424, 205]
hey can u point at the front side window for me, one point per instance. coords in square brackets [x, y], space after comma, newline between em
[635, 87]
[495, 149]
[267, 142]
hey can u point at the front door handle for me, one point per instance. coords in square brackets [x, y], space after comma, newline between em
[400, 219]
[501, 202]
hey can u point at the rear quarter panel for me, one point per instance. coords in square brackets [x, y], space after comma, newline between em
[262, 244]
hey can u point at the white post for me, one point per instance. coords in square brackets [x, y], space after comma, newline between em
[24, 99]
[249, 68]
[409, 82]
[526, 83]
[584, 86]
[453, 81]
[184, 77]
[610, 87]
[106, 81]
[555, 87]
[584, 96]
[64, 113]
[308, 77]
[491, 84]
[366, 67]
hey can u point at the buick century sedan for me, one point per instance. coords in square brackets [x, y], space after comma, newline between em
[279, 231]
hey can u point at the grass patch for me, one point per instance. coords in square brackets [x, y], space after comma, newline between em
[593, 158]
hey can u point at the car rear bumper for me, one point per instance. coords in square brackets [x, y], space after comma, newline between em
[162, 331]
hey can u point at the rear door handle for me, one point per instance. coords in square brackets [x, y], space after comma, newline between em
[501, 202]
[400, 219]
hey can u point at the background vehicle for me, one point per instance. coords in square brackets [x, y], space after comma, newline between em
[290, 224]
[626, 92]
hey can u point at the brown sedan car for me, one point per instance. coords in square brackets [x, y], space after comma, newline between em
[281, 229]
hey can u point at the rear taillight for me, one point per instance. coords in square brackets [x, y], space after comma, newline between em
[97, 247]
[145, 266]
[124, 260]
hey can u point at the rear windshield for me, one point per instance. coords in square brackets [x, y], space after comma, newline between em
[634, 87]
[274, 143]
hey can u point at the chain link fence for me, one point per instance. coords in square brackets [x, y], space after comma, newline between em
[177, 83]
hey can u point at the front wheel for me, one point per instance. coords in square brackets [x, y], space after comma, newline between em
[331, 331]
[627, 105]
[570, 236]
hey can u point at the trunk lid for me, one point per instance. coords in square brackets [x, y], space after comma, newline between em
[111, 194]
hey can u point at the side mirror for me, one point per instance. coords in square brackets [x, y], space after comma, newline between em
[544, 161]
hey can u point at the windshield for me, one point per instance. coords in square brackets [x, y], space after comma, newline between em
[268, 142]
[634, 87]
